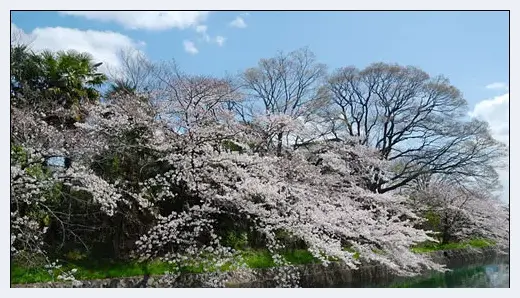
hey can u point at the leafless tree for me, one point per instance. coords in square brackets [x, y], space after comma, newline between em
[417, 121]
[135, 72]
[288, 84]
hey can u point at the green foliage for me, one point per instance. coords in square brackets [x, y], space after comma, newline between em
[351, 250]
[67, 77]
[116, 164]
[109, 165]
[432, 246]
[434, 220]
[37, 171]
[76, 255]
[236, 240]
[53, 194]
[232, 146]
[19, 154]
[121, 87]
[289, 240]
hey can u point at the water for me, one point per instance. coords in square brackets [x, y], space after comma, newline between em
[482, 276]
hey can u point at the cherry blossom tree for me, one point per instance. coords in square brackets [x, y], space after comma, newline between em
[203, 185]
[459, 213]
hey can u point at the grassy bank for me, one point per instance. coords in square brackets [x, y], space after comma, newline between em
[431, 246]
[91, 269]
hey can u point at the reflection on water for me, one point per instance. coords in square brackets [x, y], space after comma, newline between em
[498, 275]
[487, 276]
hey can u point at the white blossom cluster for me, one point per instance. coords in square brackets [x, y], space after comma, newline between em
[292, 195]
[103, 193]
[26, 234]
[466, 213]
[57, 272]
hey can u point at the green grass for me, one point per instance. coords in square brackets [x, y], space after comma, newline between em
[88, 269]
[300, 256]
[431, 247]
[92, 270]
[481, 243]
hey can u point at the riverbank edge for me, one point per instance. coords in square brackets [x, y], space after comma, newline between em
[311, 275]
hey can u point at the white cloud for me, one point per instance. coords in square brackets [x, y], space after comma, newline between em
[104, 46]
[148, 20]
[19, 37]
[496, 112]
[498, 86]
[503, 176]
[189, 47]
[220, 40]
[238, 22]
[205, 37]
[201, 28]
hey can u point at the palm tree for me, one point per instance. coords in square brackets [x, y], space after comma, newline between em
[66, 77]
[72, 77]
[55, 83]
[26, 71]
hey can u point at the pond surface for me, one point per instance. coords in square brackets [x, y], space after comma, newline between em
[482, 276]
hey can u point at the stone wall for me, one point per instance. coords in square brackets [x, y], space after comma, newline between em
[311, 275]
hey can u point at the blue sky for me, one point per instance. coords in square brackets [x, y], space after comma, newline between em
[470, 48]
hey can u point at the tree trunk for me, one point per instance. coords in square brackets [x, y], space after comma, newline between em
[279, 145]
[445, 232]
